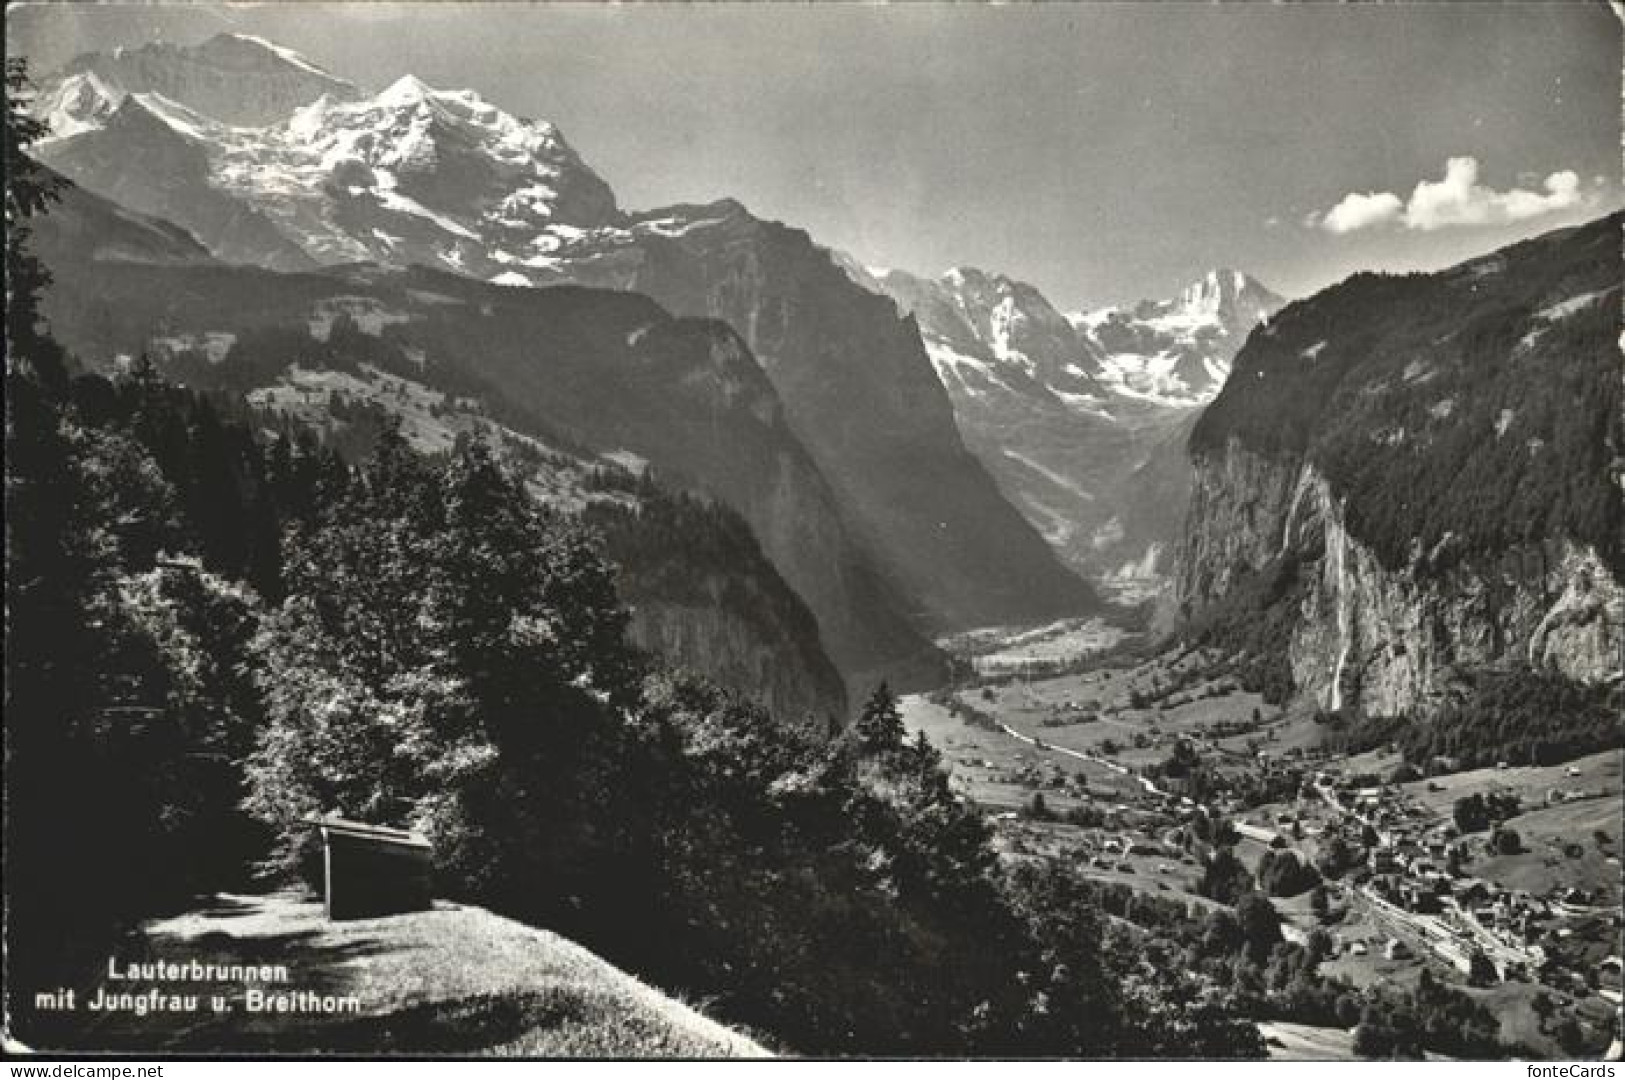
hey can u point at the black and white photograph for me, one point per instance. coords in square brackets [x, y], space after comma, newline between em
[665, 531]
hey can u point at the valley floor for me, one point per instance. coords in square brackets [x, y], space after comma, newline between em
[1057, 760]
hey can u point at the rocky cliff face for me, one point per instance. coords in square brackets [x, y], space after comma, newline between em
[1389, 640]
[84, 228]
[700, 588]
[861, 394]
[1432, 460]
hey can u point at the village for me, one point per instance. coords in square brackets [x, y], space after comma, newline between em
[1504, 879]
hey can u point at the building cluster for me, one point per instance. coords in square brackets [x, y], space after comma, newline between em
[1415, 876]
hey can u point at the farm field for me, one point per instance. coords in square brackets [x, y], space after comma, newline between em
[1167, 875]
[1531, 783]
[998, 650]
[1121, 710]
[1303, 1042]
[1007, 737]
[1591, 791]
[1548, 861]
[993, 769]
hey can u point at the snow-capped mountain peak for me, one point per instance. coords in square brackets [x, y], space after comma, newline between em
[1178, 351]
[78, 103]
[450, 152]
[411, 174]
[989, 334]
[1227, 296]
[406, 91]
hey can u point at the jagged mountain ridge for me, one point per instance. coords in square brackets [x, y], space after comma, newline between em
[1093, 459]
[237, 78]
[1178, 351]
[416, 175]
[1424, 468]
[990, 333]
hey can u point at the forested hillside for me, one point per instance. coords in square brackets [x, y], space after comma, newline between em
[1480, 404]
[217, 628]
[1411, 480]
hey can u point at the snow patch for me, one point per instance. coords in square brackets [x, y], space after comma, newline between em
[1049, 474]
[635, 464]
[673, 227]
[177, 116]
[976, 377]
[1572, 305]
[1418, 372]
[285, 54]
[391, 199]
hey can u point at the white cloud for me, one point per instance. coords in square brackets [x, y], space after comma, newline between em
[1358, 211]
[1457, 199]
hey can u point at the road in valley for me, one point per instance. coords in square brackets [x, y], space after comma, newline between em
[1121, 770]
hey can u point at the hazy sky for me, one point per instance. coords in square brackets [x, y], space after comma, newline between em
[1103, 152]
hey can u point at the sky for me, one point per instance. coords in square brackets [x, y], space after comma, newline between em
[1104, 152]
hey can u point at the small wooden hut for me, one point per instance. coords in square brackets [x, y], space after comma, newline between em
[370, 870]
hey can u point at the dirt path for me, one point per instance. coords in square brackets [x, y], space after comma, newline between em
[454, 980]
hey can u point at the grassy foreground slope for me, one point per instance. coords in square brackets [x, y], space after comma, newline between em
[454, 980]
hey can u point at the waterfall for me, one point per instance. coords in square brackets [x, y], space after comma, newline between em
[1337, 552]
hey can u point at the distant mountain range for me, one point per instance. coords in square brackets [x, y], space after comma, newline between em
[861, 491]
[1082, 418]
[270, 161]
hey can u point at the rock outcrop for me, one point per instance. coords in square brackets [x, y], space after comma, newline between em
[1391, 641]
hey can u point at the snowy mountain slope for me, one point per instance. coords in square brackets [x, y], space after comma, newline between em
[1178, 352]
[236, 78]
[133, 155]
[410, 175]
[991, 335]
